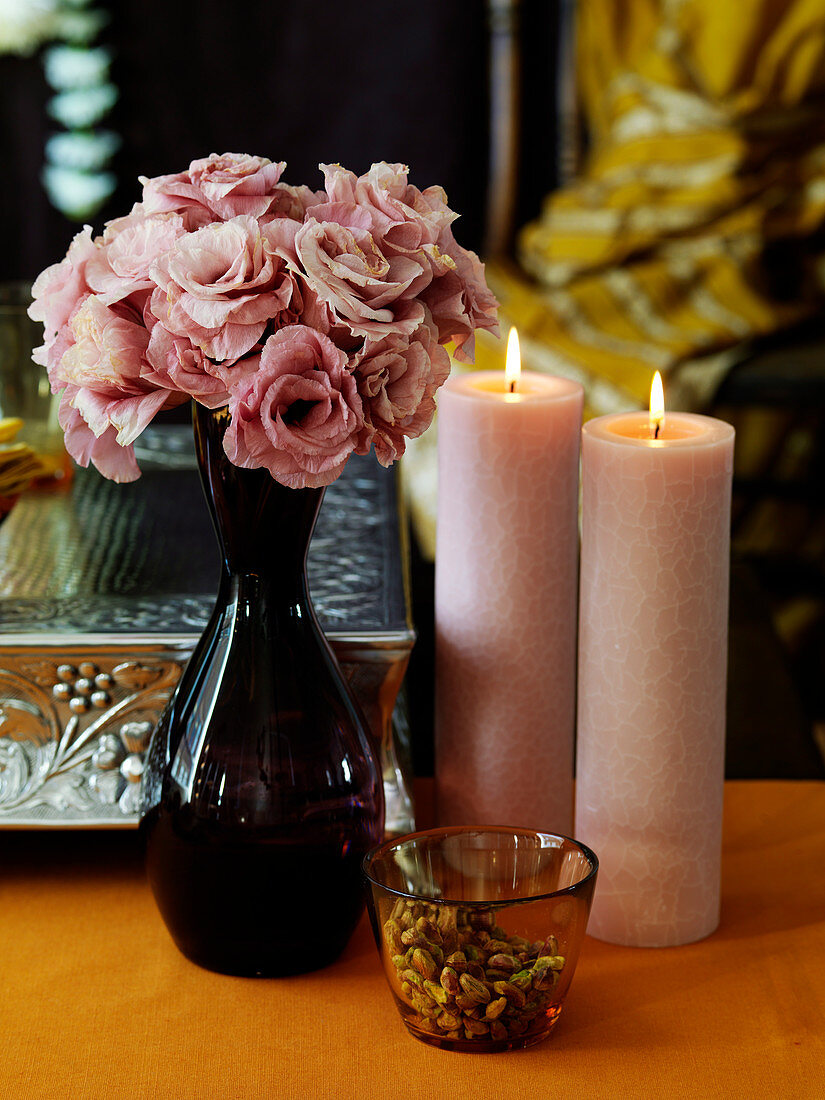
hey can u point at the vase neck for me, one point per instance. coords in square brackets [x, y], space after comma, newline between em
[263, 528]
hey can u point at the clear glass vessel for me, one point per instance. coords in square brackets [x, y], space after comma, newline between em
[479, 931]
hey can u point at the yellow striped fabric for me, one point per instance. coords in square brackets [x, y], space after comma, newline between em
[706, 162]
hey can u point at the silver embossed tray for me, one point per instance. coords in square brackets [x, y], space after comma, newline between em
[104, 590]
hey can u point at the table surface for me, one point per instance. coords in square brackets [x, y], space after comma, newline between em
[97, 1003]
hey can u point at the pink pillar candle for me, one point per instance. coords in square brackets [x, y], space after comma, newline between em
[505, 601]
[653, 631]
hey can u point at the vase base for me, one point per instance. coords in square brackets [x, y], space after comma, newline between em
[253, 908]
[263, 965]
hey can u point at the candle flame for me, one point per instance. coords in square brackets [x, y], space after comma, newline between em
[512, 368]
[657, 406]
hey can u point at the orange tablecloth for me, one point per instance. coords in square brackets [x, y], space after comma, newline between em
[96, 1002]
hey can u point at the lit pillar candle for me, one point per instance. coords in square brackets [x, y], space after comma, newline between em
[652, 671]
[505, 602]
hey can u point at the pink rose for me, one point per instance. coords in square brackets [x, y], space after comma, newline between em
[219, 186]
[397, 379]
[107, 345]
[460, 300]
[346, 268]
[104, 368]
[175, 364]
[222, 284]
[339, 183]
[360, 284]
[409, 230]
[292, 202]
[401, 225]
[307, 309]
[128, 248]
[417, 224]
[113, 461]
[298, 414]
[407, 221]
[418, 218]
[56, 293]
[387, 186]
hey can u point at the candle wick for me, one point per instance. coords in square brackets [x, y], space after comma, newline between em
[656, 430]
[513, 386]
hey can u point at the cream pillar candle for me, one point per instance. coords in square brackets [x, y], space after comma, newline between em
[652, 672]
[505, 604]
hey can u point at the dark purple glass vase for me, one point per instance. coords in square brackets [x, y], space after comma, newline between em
[262, 792]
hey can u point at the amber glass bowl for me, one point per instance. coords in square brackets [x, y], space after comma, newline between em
[479, 931]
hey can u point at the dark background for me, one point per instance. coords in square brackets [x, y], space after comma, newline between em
[347, 82]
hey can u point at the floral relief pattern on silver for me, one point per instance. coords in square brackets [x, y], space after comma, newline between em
[118, 763]
[77, 743]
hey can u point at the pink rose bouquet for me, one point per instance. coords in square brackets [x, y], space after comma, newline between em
[318, 318]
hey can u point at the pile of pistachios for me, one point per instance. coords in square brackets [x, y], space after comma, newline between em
[465, 977]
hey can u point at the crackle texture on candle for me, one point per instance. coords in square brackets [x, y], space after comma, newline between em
[652, 677]
[506, 603]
